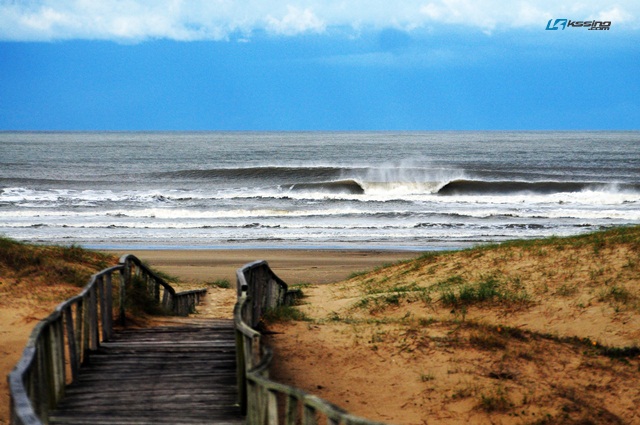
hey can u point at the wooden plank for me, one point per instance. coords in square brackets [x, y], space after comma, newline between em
[184, 374]
[108, 420]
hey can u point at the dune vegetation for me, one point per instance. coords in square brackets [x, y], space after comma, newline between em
[533, 332]
[48, 265]
[34, 279]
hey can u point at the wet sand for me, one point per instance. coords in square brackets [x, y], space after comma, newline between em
[292, 266]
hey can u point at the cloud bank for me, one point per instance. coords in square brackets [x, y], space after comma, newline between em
[182, 20]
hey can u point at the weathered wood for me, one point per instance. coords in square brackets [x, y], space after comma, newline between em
[42, 379]
[102, 304]
[110, 419]
[125, 274]
[58, 359]
[310, 415]
[259, 289]
[272, 403]
[38, 382]
[108, 306]
[149, 375]
[93, 320]
[291, 410]
[74, 361]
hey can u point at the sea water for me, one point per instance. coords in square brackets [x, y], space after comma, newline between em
[364, 190]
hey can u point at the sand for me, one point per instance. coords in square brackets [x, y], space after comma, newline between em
[20, 310]
[406, 359]
[387, 347]
[292, 266]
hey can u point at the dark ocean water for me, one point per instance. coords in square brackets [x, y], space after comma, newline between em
[326, 190]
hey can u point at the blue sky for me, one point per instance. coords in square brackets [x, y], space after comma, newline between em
[317, 65]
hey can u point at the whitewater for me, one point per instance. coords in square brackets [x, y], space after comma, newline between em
[351, 190]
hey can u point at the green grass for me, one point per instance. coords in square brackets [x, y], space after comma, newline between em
[597, 241]
[18, 256]
[426, 377]
[455, 292]
[284, 313]
[459, 291]
[219, 283]
[359, 273]
[383, 298]
[51, 264]
[496, 401]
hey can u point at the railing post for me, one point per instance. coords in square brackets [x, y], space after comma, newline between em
[125, 275]
[86, 332]
[241, 373]
[253, 404]
[107, 325]
[38, 382]
[102, 301]
[165, 299]
[94, 334]
[156, 291]
[74, 362]
[42, 380]
[291, 410]
[78, 331]
[272, 407]
[309, 415]
[58, 359]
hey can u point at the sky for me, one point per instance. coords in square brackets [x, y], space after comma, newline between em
[123, 65]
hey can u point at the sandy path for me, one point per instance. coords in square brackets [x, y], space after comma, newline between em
[23, 306]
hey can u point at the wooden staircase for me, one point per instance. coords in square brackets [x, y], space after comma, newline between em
[180, 373]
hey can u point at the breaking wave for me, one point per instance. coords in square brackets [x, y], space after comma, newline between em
[483, 187]
[459, 187]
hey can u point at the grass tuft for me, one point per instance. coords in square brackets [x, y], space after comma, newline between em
[497, 401]
[284, 313]
[50, 264]
[458, 293]
[219, 283]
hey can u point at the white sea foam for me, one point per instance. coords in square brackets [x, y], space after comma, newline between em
[326, 188]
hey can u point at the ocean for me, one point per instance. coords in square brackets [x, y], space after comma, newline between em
[339, 190]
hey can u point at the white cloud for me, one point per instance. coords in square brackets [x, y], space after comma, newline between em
[296, 21]
[136, 20]
[615, 14]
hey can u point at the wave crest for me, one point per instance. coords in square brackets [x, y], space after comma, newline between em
[350, 187]
[483, 187]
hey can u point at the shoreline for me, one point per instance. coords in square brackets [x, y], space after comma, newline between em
[441, 246]
[294, 266]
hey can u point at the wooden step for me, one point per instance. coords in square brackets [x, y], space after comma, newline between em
[182, 374]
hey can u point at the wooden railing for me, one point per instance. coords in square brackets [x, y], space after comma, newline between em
[61, 343]
[263, 400]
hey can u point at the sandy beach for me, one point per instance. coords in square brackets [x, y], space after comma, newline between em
[21, 309]
[526, 332]
[293, 266]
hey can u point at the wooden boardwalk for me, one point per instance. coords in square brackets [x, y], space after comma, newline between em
[181, 373]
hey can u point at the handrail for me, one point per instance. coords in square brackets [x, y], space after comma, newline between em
[65, 339]
[261, 399]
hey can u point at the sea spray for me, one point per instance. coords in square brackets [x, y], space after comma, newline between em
[350, 190]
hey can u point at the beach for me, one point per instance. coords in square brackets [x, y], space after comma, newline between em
[23, 308]
[318, 190]
[475, 336]
[320, 207]
[314, 266]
